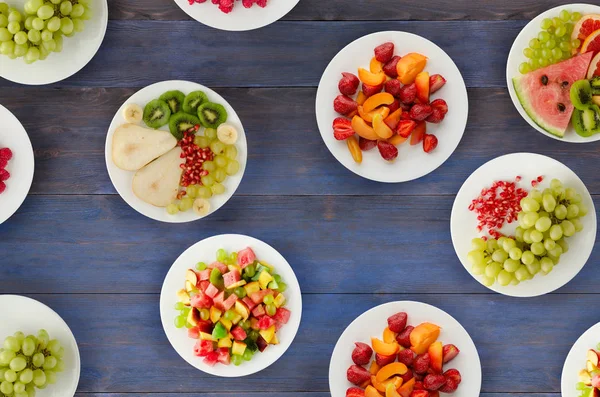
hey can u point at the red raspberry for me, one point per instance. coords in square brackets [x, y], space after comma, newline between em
[434, 381]
[342, 129]
[393, 87]
[370, 90]
[4, 175]
[355, 392]
[384, 52]
[403, 338]
[348, 84]
[247, 3]
[366, 144]
[357, 375]
[397, 322]
[390, 67]
[449, 353]
[380, 359]
[440, 104]
[6, 153]
[2, 187]
[436, 117]
[362, 352]
[344, 105]
[3, 163]
[406, 357]
[261, 3]
[408, 94]
[420, 111]
[436, 82]
[389, 152]
[421, 364]
[430, 142]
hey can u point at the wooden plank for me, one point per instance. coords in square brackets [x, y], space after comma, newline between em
[119, 334]
[98, 244]
[287, 154]
[297, 57]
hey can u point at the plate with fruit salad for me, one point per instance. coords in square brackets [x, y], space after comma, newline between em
[43, 41]
[580, 375]
[236, 15]
[391, 106]
[553, 73]
[40, 356]
[405, 349]
[16, 164]
[176, 151]
[523, 224]
[231, 305]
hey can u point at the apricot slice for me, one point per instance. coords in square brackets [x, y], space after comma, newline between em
[363, 129]
[354, 149]
[388, 335]
[374, 368]
[361, 98]
[382, 386]
[393, 119]
[381, 128]
[422, 84]
[423, 336]
[407, 388]
[409, 66]
[391, 391]
[390, 370]
[383, 98]
[368, 116]
[370, 391]
[371, 78]
[397, 140]
[436, 356]
[386, 349]
[375, 66]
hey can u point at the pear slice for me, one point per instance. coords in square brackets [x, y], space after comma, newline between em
[134, 146]
[158, 182]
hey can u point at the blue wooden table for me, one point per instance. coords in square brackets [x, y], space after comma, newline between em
[76, 246]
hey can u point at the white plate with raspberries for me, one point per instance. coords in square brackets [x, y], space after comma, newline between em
[360, 96]
[16, 164]
[395, 325]
[236, 15]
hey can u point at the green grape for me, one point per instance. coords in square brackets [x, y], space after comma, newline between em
[78, 11]
[18, 387]
[11, 343]
[549, 202]
[538, 249]
[250, 271]
[487, 281]
[533, 268]
[543, 36]
[28, 24]
[28, 347]
[555, 183]
[519, 233]
[546, 23]
[476, 257]
[537, 54]
[527, 236]
[172, 209]
[230, 315]
[201, 266]
[511, 265]
[217, 147]
[205, 314]
[53, 346]
[576, 16]
[499, 256]
[53, 24]
[180, 321]
[240, 292]
[201, 141]
[543, 62]
[556, 252]
[179, 306]
[33, 54]
[38, 23]
[45, 12]
[20, 38]
[78, 25]
[34, 36]
[50, 362]
[39, 378]
[578, 224]
[565, 46]
[236, 360]
[560, 31]
[515, 253]
[217, 188]
[522, 274]
[3, 21]
[247, 355]
[493, 269]
[204, 192]
[268, 299]
[6, 387]
[478, 268]
[546, 53]
[543, 224]
[271, 310]
[527, 258]
[234, 257]
[36, 4]
[10, 376]
[232, 167]
[569, 29]
[38, 359]
[530, 219]
[7, 47]
[207, 180]
[51, 377]
[492, 245]
[560, 212]
[231, 152]
[557, 54]
[550, 44]
[508, 244]
[536, 236]
[186, 204]
[221, 255]
[546, 265]
[524, 68]
[66, 25]
[66, 7]
[534, 43]
[60, 366]
[572, 211]
[568, 228]
[13, 27]
[18, 364]
[556, 21]
[549, 244]
[583, 210]
[3, 8]
[536, 195]
[210, 133]
[220, 161]
[575, 43]
[191, 191]
[15, 16]
[220, 175]
[529, 205]
[47, 35]
[565, 15]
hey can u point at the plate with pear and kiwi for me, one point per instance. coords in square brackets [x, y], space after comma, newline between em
[176, 151]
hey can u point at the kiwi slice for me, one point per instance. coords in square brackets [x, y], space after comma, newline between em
[174, 99]
[586, 122]
[193, 100]
[181, 122]
[212, 115]
[156, 113]
[581, 94]
[595, 84]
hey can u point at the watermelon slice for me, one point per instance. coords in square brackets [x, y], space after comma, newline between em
[544, 93]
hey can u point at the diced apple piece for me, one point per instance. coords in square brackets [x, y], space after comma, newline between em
[193, 317]
[191, 276]
[205, 336]
[585, 377]
[267, 334]
[264, 279]
[226, 323]
[238, 348]
[183, 297]
[215, 315]
[225, 342]
[274, 341]
[189, 287]
[385, 349]
[279, 301]
[242, 309]
[390, 370]
[252, 287]
[592, 356]
[590, 366]
[240, 283]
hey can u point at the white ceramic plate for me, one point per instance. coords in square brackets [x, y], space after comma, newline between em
[27, 315]
[529, 166]
[373, 322]
[576, 359]
[412, 161]
[122, 180]
[205, 251]
[20, 167]
[77, 52]
[240, 18]
[516, 57]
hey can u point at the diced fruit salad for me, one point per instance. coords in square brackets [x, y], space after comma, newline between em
[233, 307]
[409, 362]
[393, 104]
[546, 217]
[589, 377]
[5, 156]
[227, 5]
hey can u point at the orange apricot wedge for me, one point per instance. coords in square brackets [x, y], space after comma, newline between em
[423, 336]
[383, 98]
[363, 129]
[382, 130]
[370, 391]
[409, 66]
[393, 119]
[374, 368]
[375, 66]
[385, 349]
[406, 389]
[391, 391]
[397, 140]
[368, 116]
[436, 356]
[361, 98]
[382, 386]
[371, 78]
[422, 84]
[388, 335]
[390, 370]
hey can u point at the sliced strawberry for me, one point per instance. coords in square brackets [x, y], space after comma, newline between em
[430, 142]
[342, 128]
[440, 104]
[405, 128]
[355, 392]
[436, 82]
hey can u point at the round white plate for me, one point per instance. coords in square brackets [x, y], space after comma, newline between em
[205, 251]
[412, 161]
[77, 52]
[20, 313]
[576, 359]
[240, 18]
[20, 167]
[516, 57]
[463, 223]
[373, 322]
[122, 180]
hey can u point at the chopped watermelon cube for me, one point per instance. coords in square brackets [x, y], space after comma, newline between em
[204, 274]
[194, 333]
[219, 300]
[203, 347]
[201, 301]
[230, 302]
[203, 285]
[246, 257]
[265, 322]
[259, 311]
[224, 357]
[249, 302]
[211, 359]
[238, 333]
[231, 278]
[282, 315]
[211, 291]
[221, 266]
[258, 297]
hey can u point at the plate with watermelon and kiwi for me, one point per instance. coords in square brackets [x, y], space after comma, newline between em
[553, 73]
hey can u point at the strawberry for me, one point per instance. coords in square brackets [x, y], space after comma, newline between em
[384, 52]
[3, 163]
[4, 175]
[419, 393]
[355, 392]
[406, 357]
[436, 116]
[342, 128]
[366, 144]
[436, 82]
[407, 376]
[397, 322]
[6, 154]
[357, 375]
[344, 104]
[420, 111]
[408, 94]
[393, 87]
[453, 374]
[388, 151]
[348, 84]
[406, 110]
[421, 364]
[430, 142]
[450, 386]
[434, 381]
[382, 360]
[370, 90]
[440, 104]
[403, 337]
[390, 67]
[405, 128]
[362, 354]
[394, 106]
[449, 353]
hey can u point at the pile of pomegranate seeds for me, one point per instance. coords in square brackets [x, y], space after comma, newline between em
[226, 6]
[5, 156]
[497, 205]
[195, 156]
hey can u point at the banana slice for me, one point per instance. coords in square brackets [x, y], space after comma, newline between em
[201, 206]
[133, 113]
[227, 134]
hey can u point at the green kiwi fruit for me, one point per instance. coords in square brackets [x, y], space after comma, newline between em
[181, 122]
[586, 122]
[193, 100]
[174, 99]
[581, 94]
[595, 84]
[156, 113]
[212, 115]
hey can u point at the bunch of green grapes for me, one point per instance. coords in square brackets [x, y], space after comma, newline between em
[553, 44]
[39, 31]
[29, 362]
[547, 217]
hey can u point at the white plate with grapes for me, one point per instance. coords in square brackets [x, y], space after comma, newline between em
[45, 41]
[50, 359]
[554, 239]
